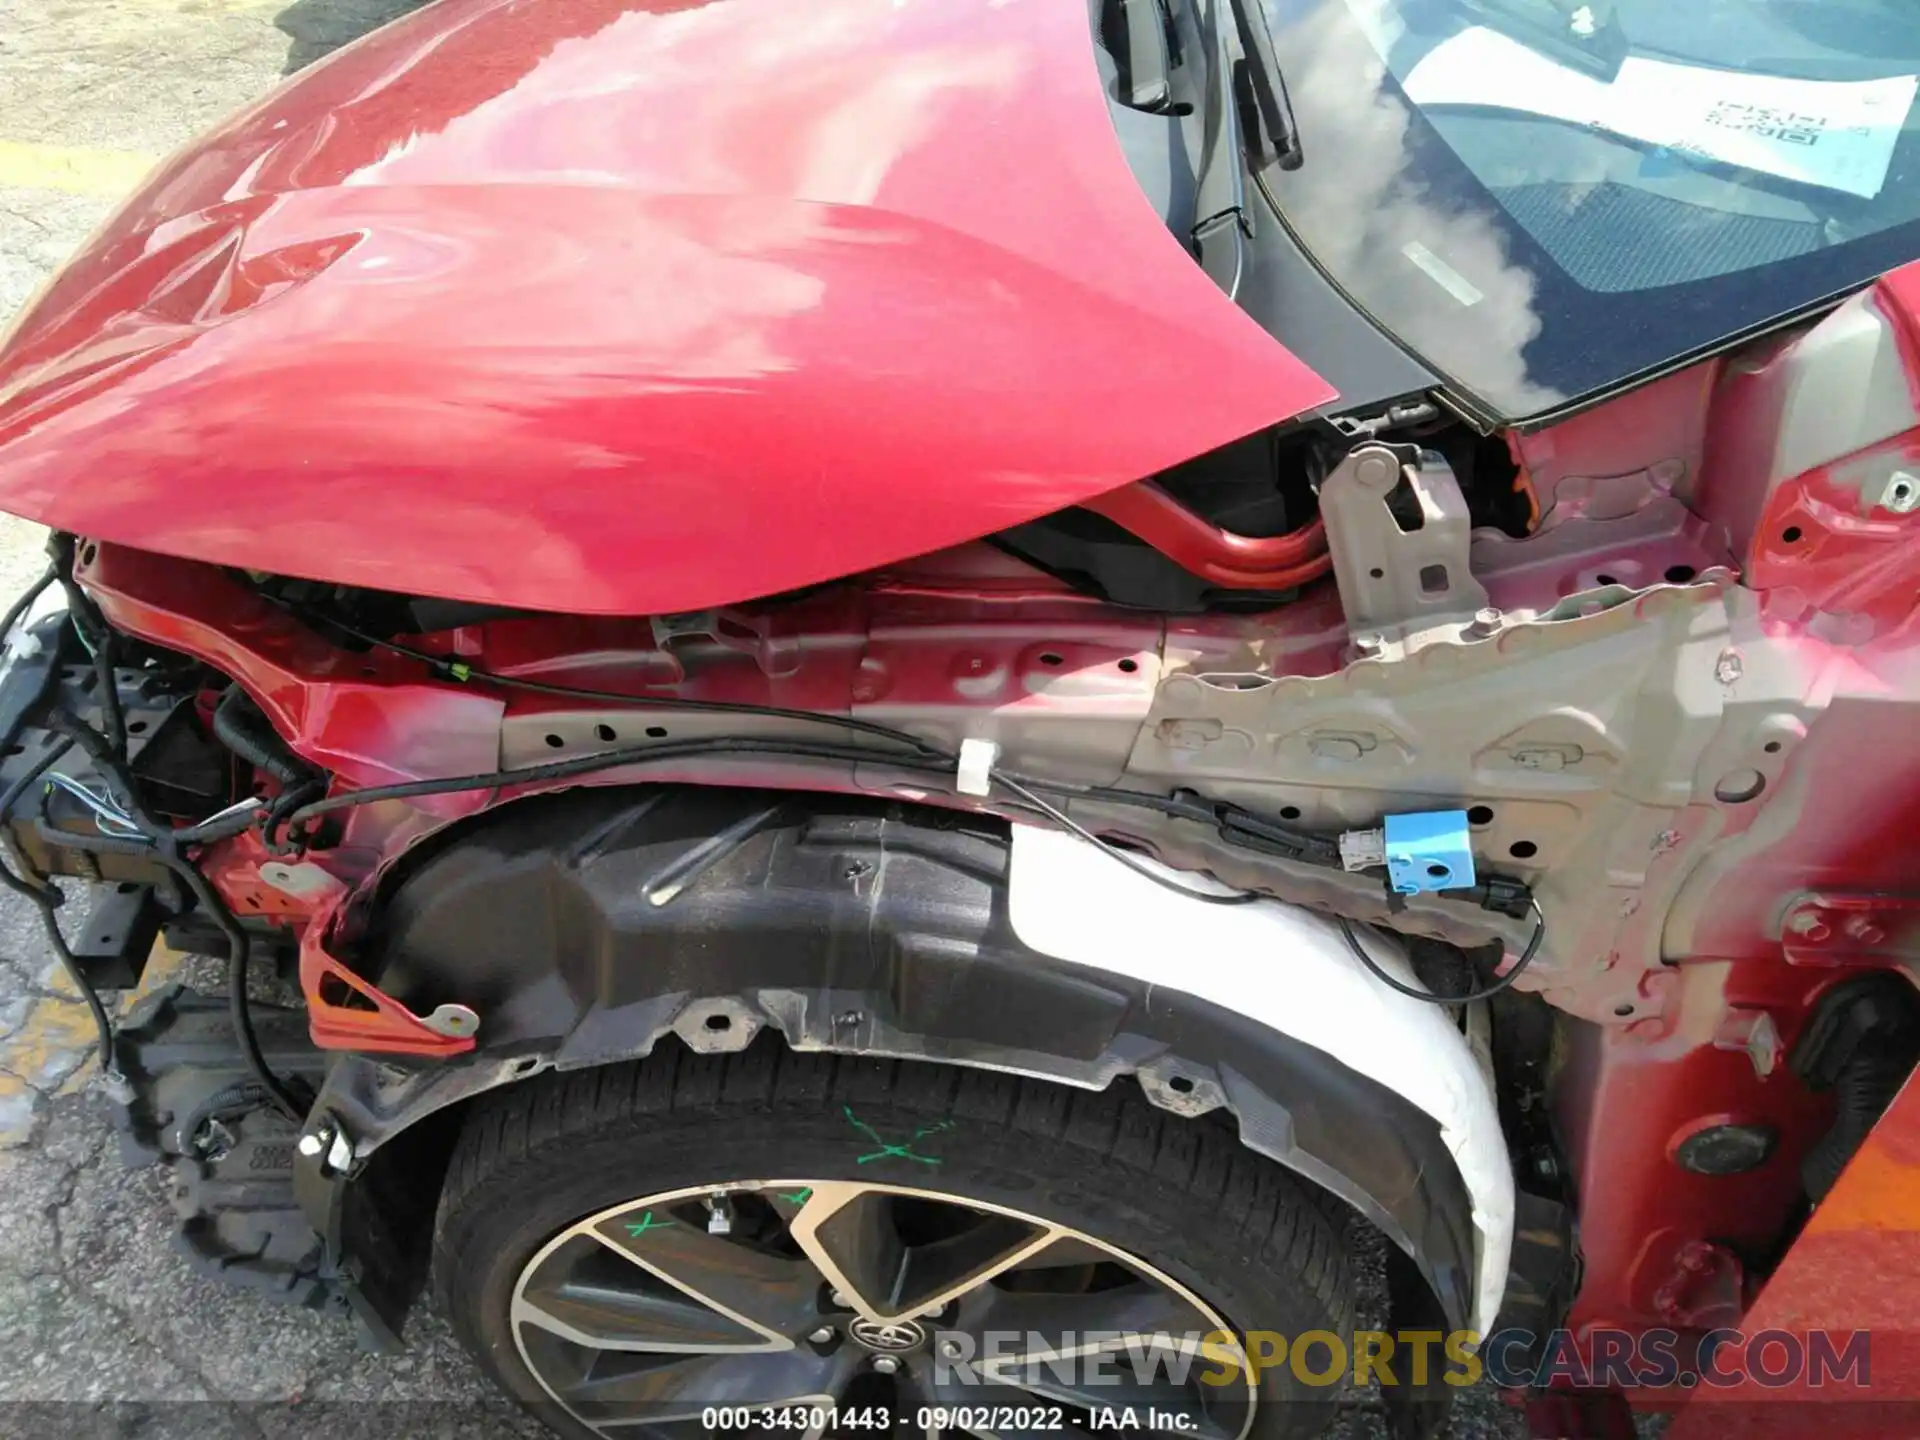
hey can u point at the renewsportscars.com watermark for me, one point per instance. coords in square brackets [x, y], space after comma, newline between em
[1515, 1358]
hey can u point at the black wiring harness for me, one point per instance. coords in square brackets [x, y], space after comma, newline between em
[302, 800]
[44, 897]
[150, 838]
[1485, 992]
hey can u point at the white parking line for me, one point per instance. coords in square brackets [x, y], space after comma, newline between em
[73, 169]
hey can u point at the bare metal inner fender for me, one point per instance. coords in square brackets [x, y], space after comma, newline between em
[582, 927]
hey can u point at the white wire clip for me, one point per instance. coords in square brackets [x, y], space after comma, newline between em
[975, 774]
[1363, 849]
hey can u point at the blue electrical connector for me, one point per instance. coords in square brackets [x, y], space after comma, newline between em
[1429, 850]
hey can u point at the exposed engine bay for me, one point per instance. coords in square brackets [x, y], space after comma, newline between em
[1655, 657]
[818, 680]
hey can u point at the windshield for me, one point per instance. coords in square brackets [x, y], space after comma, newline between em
[1546, 198]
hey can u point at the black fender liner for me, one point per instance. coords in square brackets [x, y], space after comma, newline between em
[584, 926]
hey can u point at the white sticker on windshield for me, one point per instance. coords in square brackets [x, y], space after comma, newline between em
[1837, 134]
[1443, 274]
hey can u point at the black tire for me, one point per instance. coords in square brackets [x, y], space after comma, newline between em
[1259, 1245]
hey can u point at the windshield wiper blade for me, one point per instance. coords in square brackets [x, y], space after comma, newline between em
[1220, 223]
[1259, 82]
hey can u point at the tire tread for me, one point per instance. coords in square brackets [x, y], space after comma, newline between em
[1292, 1227]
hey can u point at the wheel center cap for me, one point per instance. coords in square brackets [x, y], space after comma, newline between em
[891, 1337]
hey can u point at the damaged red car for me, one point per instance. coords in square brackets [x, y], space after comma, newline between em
[935, 701]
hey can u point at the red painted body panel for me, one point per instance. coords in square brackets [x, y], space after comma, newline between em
[617, 307]
[1669, 1250]
[1664, 1249]
[1856, 1266]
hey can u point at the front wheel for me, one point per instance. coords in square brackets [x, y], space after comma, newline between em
[775, 1242]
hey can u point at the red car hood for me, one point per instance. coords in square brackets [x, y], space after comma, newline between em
[621, 307]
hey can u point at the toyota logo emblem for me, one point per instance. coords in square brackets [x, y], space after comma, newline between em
[892, 1336]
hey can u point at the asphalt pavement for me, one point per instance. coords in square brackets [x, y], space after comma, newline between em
[103, 1330]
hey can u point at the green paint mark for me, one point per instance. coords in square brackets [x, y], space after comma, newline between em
[646, 1223]
[796, 1197]
[904, 1150]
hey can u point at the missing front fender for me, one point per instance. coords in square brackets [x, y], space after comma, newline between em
[847, 925]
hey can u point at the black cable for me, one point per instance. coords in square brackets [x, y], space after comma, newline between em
[161, 844]
[34, 772]
[222, 827]
[97, 637]
[1307, 846]
[620, 757]
[1303, 845]
[239, 725]
[46, 900]
[1133, 863]
[20, 606]
[239, 947]
[282, 811]
[1023, 788]
[101, 648]
[1526, 959]
[113, 773]
[616, 759]
[239, 952]
[460, 671]
[1312, 848]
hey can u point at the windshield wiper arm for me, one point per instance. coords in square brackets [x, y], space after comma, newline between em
[1258, 81]
[1135, 33]
[1249, 126]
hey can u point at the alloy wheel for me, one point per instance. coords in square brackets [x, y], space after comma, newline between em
[793, 1299]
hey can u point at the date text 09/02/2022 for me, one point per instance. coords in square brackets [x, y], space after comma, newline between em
[818, 1419]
